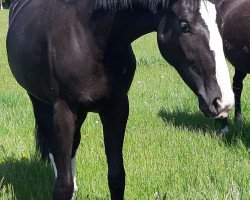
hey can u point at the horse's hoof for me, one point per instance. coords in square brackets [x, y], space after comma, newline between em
[224, 130]
[63, 191]
[238, 118]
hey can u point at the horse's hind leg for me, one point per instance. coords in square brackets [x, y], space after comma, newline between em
[44, 133]
[81, 116]
[237, 88]
[114, 119]
[64, 128]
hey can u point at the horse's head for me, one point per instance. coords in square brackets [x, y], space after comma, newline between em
[189, 39]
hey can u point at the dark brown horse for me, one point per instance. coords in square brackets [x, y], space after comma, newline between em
[234, 24]
[75, 57]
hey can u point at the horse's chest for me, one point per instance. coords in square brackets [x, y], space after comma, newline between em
[111, 82]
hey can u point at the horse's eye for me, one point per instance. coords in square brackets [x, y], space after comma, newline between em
[184, 27]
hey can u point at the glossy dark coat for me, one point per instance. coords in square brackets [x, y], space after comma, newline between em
[75, 57]
[234, 24]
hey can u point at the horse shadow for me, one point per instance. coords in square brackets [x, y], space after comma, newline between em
[27, 179]
[197, 122]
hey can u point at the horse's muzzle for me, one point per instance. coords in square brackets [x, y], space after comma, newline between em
[217, 109]
[222, 108]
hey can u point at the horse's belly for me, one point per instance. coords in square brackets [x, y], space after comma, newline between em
[92, 86]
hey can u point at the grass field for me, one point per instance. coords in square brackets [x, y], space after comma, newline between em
[171, 151]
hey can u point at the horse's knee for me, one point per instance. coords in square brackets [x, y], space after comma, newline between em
[63, 190]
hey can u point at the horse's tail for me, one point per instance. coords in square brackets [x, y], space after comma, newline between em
[42, 143]
[44, 126]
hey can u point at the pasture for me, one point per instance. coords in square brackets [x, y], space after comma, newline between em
[171, 151]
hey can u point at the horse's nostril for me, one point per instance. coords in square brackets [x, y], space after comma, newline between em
[221, 108]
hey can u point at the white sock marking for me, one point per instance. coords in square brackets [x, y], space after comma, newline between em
[208, 13]
[73, 168]
[51, 157]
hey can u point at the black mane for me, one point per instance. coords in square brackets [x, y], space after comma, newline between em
[123, 4]
[152, 5]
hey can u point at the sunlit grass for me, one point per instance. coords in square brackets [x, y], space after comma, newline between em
[3, 29]
[171, 151]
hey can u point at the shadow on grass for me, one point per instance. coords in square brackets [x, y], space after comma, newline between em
[27, 179]
[197, 122]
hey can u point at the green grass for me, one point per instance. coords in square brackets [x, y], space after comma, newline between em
[3, 29]
[171, 151]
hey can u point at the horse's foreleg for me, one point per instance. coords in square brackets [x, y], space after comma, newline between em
[73, 169]
[64, 129]
[114, 120]
[224, 125]
[237, 88]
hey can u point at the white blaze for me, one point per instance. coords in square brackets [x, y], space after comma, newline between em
[208, 13]
[73, 168]
[51, 157]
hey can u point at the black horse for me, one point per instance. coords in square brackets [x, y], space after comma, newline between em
[234, 24]
[75, 57]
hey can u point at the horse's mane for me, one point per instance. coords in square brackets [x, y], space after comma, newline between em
[123, 4]
[148, 4]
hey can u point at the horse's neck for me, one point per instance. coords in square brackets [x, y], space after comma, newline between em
[119, 28]
[126, 26]
[224, 7]
[130, 25]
